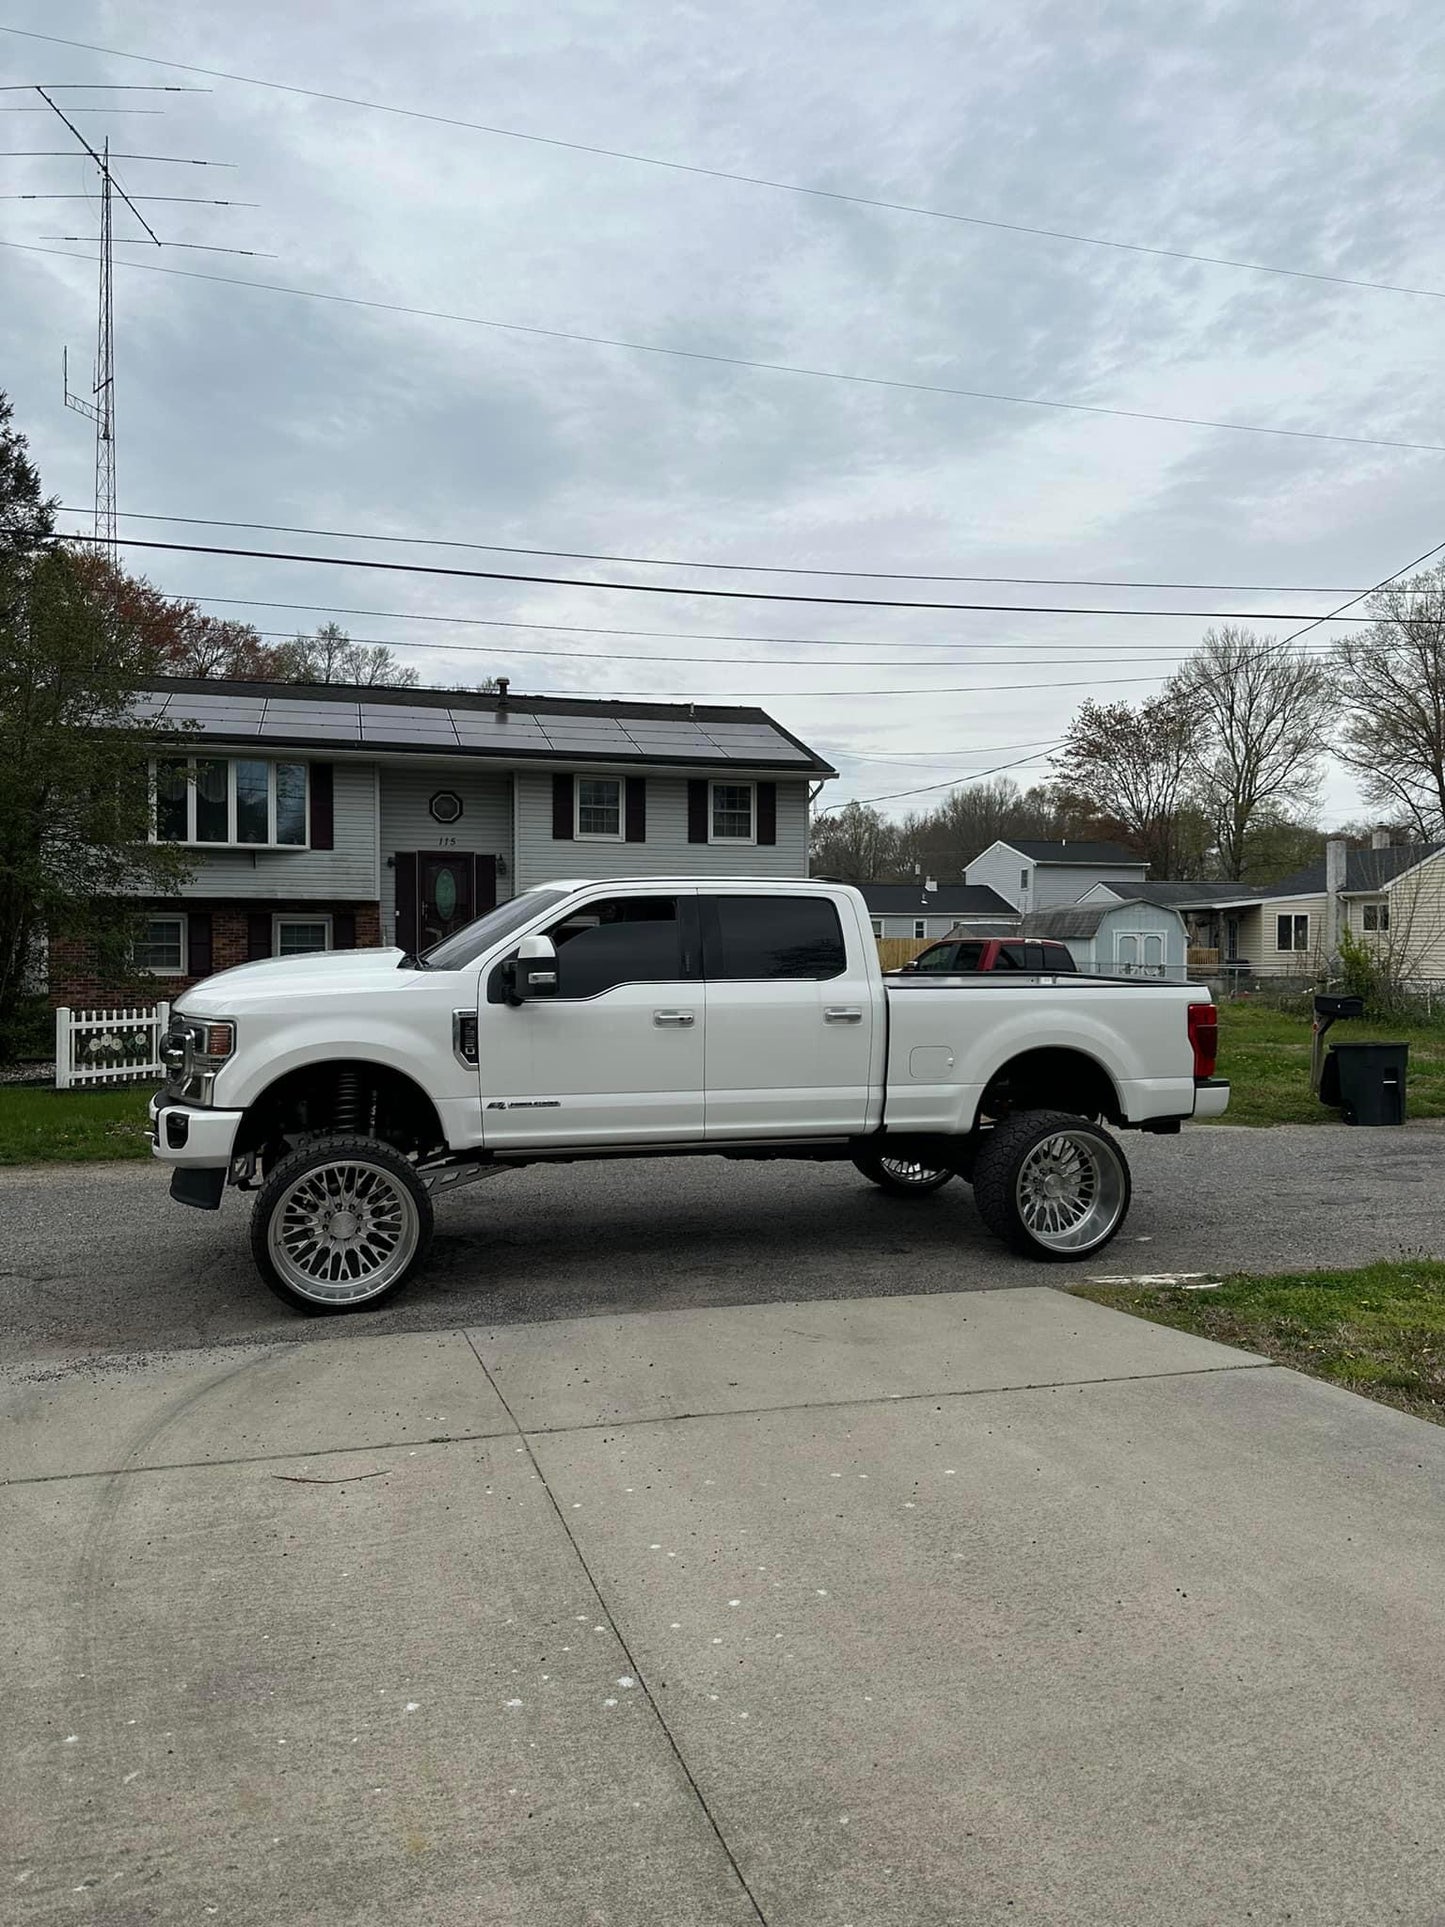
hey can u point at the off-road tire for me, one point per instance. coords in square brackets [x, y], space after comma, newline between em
[385, 1212]
[1013, 1158]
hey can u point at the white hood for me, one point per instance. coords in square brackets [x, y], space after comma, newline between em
[276, 980]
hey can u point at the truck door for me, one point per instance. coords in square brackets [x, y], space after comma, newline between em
[790, 1016]
[617, 1055]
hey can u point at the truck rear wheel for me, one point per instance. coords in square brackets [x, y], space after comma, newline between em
[902, 1177]
[1053, 1186]
[340, 1225]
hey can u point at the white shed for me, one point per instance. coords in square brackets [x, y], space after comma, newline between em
[1130, 939]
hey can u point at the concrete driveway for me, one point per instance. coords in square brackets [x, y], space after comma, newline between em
[884, 1612]
[97, 1259]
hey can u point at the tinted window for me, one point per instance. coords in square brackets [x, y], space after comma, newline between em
[621, 940]
[1011, 956]
[764, 938]
[940, 957]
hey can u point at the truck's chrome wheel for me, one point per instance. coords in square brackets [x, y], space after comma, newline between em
[343, 1232]
[1070, 1191]
[909, 1172]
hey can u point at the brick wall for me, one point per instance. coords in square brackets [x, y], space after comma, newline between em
[75, 978]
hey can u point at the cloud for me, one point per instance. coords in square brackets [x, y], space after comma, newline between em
[1301, 136]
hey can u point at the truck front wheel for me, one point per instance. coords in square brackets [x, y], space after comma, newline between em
[1051, 1185]
[340, 1225]
[902, 1177]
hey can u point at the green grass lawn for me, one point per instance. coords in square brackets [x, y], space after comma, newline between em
[45, 1126]
[1379, 1331]
[1265, 1054]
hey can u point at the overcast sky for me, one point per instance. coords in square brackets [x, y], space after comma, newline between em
[1305, 136]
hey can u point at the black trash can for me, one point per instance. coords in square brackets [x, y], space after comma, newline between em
[1367, 1082]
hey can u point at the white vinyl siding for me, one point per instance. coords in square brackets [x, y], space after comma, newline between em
[666, 851]
[345, 873]
[1001, 868]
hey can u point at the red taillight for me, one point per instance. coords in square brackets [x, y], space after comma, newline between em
[1204, 1038]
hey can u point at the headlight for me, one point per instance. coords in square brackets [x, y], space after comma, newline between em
[193, 1050]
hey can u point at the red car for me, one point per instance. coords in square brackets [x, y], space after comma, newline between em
[968, 956]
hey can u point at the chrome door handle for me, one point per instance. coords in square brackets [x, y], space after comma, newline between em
[672, 1019]
[842, 1014]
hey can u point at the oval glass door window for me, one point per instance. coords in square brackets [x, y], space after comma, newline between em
[445, 895]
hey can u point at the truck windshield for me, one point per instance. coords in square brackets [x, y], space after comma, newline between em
[464, 946]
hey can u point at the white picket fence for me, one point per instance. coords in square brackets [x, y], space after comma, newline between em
[95, 1047]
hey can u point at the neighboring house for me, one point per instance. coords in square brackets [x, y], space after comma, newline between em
[1390, 896]
[325, 817]
[1035, 875]
[1109, 938]
[929, 909]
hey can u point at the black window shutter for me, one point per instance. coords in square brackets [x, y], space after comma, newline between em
[323, 807]
[767, 812]
[637, 809]
[258, 935]
[562, 809]
[343, 930]
[697, 810]
[406, 925]
[198, 943]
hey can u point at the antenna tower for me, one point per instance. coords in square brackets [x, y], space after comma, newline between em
[101, 408]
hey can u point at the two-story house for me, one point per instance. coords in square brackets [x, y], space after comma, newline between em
[325, 817]
[1034, 874]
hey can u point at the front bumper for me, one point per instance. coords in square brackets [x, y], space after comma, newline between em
[190, 1137]
[1211, 1098]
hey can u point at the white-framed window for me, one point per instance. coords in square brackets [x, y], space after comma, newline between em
[731, 814]
[877, 924]
[1023, 882]
[920, 927]
[1376, 916]
[230, 802]
[161, 946]
[599, 808]
[1291, 933]
[295, 936]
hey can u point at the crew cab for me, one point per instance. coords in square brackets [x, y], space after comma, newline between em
[972, 956]
[647, 1018]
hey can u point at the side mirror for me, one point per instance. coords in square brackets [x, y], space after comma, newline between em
[533, 971]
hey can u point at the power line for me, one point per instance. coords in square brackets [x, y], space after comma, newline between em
[732, 568]
[791, 662]
[730, 595]
[595, 629]
[766, 367]
[929, 789]
[65, 154]
[723, 174]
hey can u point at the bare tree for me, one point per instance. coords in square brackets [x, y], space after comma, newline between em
[1392, 687]
[854, 844]
[1135, 766]
[331, 656]
[1265, 711]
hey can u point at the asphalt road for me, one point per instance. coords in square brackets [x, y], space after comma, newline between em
[96, 1260]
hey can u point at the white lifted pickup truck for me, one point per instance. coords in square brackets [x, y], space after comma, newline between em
[658, 1018]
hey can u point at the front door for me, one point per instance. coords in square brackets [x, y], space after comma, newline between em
[452, 887]
[616, 1057]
